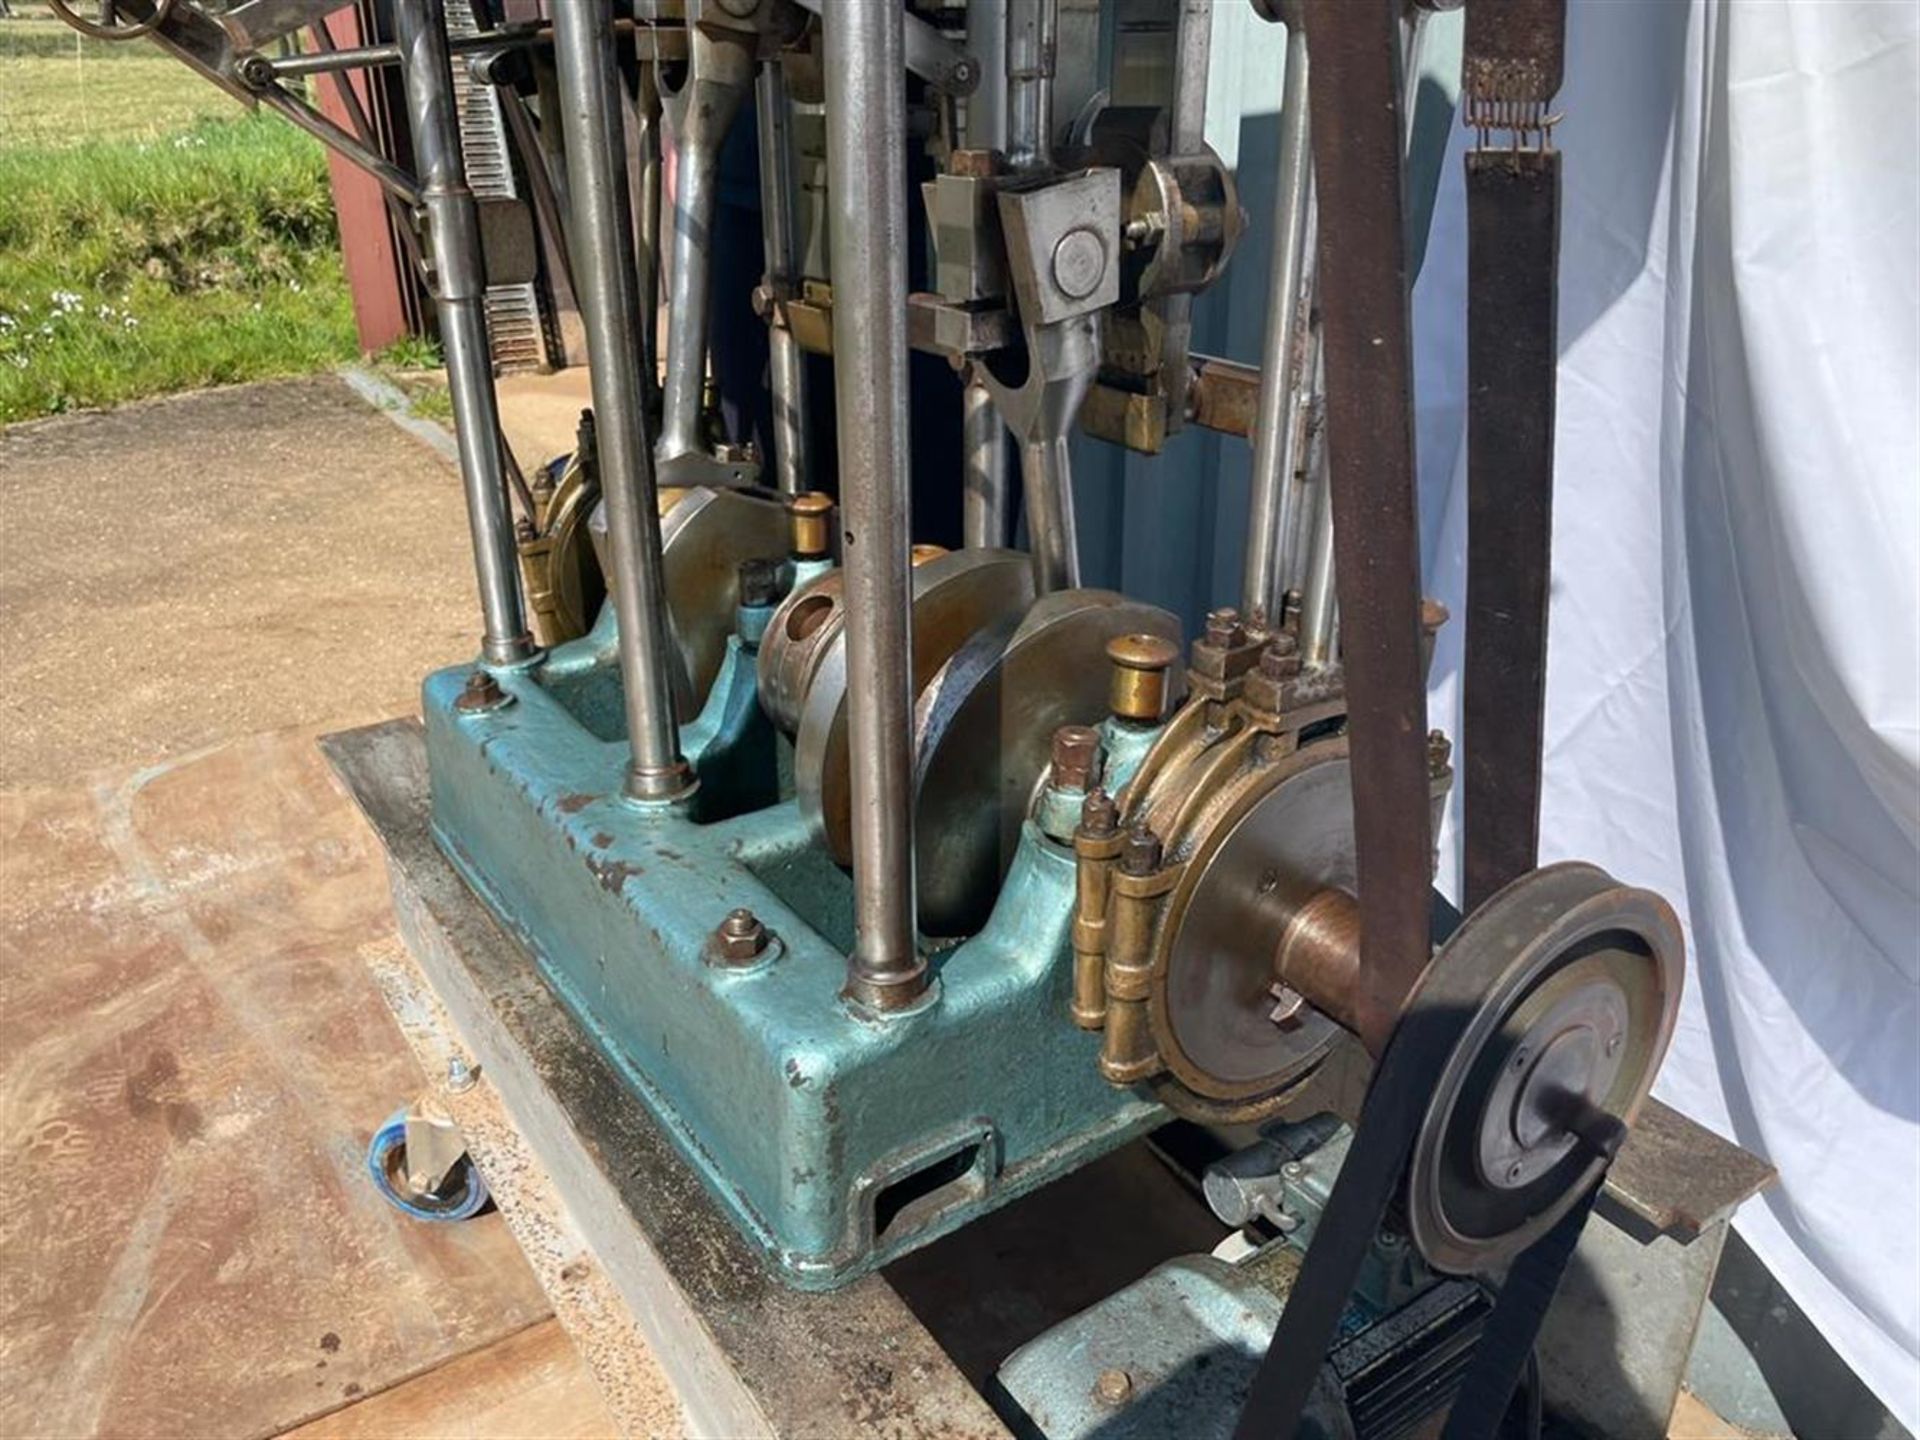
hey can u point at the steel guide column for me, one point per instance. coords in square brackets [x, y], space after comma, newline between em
[459, 288]
[787, 372]
[867, 185]
[604, 269]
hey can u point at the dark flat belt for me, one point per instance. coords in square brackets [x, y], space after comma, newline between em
[1357, 140]
[1513, 67]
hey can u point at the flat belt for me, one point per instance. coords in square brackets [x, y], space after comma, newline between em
[1357, 143]
[1512, 68]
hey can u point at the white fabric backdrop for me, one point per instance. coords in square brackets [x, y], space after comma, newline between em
[1733, 716]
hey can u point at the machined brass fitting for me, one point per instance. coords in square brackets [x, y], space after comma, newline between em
[1140, 665]
[1128, 1052]
[811, 514]
[1096, 846]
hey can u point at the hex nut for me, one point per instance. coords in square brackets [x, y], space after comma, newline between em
[1099, 814]
[1076, 756]
[1141, 854]
[482, 693]
[740, 938]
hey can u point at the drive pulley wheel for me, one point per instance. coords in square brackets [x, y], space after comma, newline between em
[1565, 985]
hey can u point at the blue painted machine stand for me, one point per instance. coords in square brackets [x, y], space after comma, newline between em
[835, 1141]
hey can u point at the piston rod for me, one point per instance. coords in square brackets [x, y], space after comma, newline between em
[609, 308]
[459, 302]
[867, 180]
[1275, 503]
[702, 114]
[787, 368]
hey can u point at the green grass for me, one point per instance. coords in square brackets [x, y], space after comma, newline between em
[58, 88]
[145, 248]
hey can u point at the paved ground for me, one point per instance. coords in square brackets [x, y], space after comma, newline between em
[212, 565]
[193, 1055]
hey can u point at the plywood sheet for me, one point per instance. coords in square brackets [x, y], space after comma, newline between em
[191, 1061]
[532, 1383]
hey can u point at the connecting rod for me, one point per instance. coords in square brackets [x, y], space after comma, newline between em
[867, 180]
[604, 274]
[787, 367]
[702, 112]
[459, 286]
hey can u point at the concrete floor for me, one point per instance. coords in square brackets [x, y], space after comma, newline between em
[193, 1055]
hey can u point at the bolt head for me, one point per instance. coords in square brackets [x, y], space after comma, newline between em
[1141, 855]
[1113, 1387]
[481, 692]
[741, 937]
[759, 582]
[460, 1075]
[1076, 756]
[974, 164]
[1079, 263]
[1099, 814]
[1281, 658]
[1224, 630]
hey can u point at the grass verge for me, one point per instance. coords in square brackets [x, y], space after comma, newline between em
[131, 268]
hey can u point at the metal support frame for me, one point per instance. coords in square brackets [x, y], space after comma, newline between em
[702, 112]
[984, 517]
[459, 284]
[1276, 503]
[867, 179]
[604, 270]
[787, 368]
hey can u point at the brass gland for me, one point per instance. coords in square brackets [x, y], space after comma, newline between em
[921, 554]
[812, 515]
[1140, 665]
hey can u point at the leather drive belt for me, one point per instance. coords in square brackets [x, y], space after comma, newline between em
[1512, 70]
[1513, 66]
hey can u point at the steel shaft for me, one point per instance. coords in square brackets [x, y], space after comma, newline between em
[787, 367]
[460, 306]
[867, 180]
[703, 113]
[604, 271]
[1275, 504]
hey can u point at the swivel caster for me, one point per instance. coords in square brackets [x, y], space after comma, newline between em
[419, 1163]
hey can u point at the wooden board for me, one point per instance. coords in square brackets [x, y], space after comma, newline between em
[192, 1061]
[531, 1383]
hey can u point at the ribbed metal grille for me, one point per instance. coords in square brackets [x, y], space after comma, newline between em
[513, 311]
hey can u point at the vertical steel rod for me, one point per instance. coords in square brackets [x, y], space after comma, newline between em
[1032, 34]
[646, 221]
[983, 467]
[604, 269]
[460, 305]
[1053, 536]
[1193, 55]
[867, 185]
[1265, 577]
[984, 518]
[718, 80]
[787, 372]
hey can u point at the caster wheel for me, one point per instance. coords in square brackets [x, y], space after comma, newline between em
[460, 1196]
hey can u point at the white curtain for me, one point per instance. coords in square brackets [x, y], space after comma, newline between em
[1734, 693]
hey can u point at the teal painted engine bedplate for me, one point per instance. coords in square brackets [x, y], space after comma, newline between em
[836, 1141]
